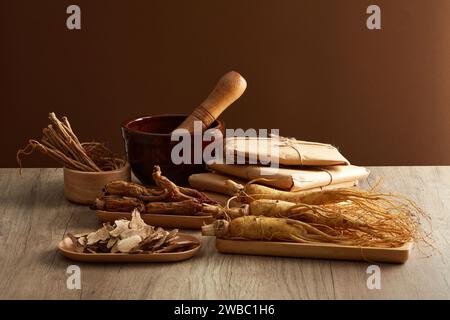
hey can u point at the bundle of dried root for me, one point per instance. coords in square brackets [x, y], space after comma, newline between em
[165, 198]
[133, 236]
[61, 143]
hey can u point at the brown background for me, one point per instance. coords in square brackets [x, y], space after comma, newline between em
[313, 69]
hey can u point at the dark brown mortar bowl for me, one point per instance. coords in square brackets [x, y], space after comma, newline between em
[148, 143]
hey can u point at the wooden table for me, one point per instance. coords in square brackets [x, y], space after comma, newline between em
[34, 216]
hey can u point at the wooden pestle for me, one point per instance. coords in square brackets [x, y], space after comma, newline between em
[227, 90]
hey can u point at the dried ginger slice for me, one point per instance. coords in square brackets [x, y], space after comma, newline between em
[143, 232]
[172, 235]
[114, 248]
[111, 242]
[121, 226]
[82, 241]
[136, 220]
[108, 226]
[148, 243]
[177, 245]
[78, 247]
[126, 245]
[80, 235]
[160, 242]
[96, 236]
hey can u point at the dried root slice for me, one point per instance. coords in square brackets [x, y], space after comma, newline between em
[136, 221]
[142, 232]
[78, 246]
[133, 236]
[186, 245]
[111, 242]
[121, 227]
[126, 245]
[99, 235]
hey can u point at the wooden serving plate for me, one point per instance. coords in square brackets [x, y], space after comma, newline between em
[160, 220]
[319, 251]
[67, 249]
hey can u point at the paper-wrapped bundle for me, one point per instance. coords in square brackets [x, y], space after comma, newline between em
[216, 183]
[288, 150]
[295, 179]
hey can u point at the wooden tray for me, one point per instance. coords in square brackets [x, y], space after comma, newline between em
[320, 251]
[161, 220]
[67, 249]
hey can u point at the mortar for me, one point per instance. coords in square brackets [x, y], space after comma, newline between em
[148, 143]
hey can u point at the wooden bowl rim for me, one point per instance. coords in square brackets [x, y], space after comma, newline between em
[126, 167]
[125, 124]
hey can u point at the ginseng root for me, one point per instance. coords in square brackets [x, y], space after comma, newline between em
[177, 193]
[322, 214]
[130, 189]
[253, 191]
[186, 207]
[375, 223]
[118, 204]
[270, 229]
[164, 191]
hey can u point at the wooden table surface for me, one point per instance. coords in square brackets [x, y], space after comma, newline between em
[34, 216]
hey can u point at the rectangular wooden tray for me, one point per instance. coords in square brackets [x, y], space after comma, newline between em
[160, 220]
[316, 251]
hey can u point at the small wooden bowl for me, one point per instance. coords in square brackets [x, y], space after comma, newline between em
[84, 187]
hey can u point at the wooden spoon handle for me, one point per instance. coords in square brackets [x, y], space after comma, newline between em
[229, 88]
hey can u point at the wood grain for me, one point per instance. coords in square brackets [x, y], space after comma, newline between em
[34, 216]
